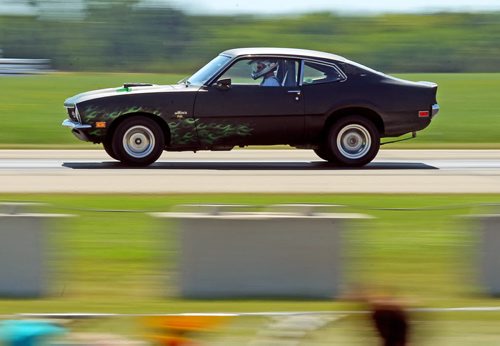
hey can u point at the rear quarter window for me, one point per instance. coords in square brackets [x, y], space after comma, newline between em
[318, 73]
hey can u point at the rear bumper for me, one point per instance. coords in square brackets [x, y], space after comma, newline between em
[435, 110]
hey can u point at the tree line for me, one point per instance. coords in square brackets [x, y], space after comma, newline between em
[124, 37]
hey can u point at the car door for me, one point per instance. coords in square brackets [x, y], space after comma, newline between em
[323, 89]
[237, 110]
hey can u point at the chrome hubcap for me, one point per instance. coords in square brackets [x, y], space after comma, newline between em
[138, 141]
[354, 141]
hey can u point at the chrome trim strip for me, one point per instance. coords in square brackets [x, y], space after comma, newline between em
[75, 125]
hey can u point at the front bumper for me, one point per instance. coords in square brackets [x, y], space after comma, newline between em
[75, 125]
[76, 129]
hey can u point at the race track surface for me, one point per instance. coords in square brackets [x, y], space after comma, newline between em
[250, 171]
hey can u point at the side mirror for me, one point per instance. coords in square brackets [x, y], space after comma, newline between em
[223, 84]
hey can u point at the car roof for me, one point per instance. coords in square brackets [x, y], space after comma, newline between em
[303, 53]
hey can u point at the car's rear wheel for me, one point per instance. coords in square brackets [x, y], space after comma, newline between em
[138, 141]
[353, 141]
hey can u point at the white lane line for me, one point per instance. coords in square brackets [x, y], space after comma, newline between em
[262, 313]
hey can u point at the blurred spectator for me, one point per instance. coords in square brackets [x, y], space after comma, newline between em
[27, 332]
[180, 330]
[387, 314]
[390, 321]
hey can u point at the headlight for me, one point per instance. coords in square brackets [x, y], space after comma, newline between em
[77, 115]
[73, 113]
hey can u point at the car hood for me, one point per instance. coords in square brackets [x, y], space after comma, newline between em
[126, 89]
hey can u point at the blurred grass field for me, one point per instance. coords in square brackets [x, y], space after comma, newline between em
[112, 257]
[115, 258]
[31, 108]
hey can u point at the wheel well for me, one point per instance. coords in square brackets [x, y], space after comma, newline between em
[364, 112]
[163, 125]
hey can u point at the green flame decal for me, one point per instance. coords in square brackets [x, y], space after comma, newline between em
[183, 132]
[212, 132]
[94, 113]
[208, 133]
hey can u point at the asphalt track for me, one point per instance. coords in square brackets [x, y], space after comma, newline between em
[250, 171]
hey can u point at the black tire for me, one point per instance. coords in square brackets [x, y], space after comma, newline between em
[138, 141]
[353, 141]
[108, 147]
[325, 154]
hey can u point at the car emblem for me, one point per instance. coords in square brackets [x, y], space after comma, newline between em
[180, 114]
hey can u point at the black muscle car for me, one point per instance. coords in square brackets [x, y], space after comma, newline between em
[257, 96]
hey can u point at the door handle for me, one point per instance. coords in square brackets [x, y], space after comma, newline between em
[296, 92]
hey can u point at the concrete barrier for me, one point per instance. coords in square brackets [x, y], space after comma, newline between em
[230, 254]
[19, 207]
[488, 251]
[14, 66]
[24, 252]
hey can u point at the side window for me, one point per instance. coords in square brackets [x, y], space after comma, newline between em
[241, 73]
[316, 73]
[264, 71]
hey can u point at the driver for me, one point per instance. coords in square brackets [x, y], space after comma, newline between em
[265, 68]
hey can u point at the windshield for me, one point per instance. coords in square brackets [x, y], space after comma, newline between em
[207, 71]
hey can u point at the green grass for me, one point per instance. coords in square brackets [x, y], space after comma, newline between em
[31, 108]
[114, 258]
[469, 111]
[111, 261]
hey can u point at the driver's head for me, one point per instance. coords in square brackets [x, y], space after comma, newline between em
[262, 67]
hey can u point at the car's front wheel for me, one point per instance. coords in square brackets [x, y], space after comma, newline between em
[108, 147]
[138, 141]
[353, 141]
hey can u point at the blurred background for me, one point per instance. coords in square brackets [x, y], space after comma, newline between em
[178, 36]
[62, 48]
